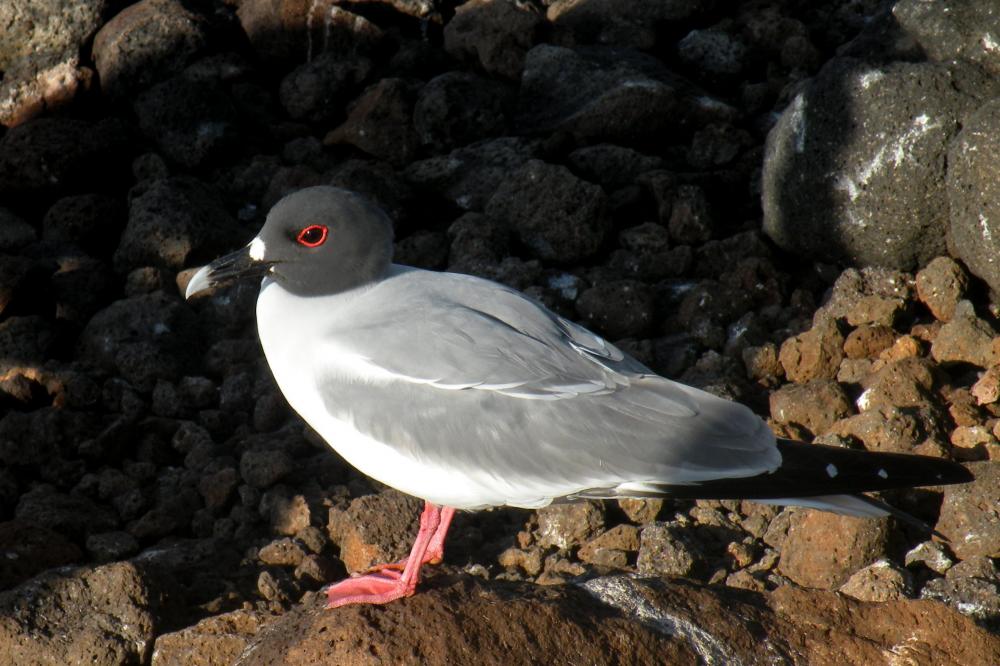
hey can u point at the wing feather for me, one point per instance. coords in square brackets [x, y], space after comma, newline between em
[509, 344]
[479, 377]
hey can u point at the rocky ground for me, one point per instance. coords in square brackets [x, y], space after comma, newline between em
[790, 204]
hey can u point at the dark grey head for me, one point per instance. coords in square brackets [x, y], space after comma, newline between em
[320, 240]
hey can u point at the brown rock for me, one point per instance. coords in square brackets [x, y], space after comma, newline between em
[312, 538]
[215, 641]
[823, 549]
[817, 405]
[36, 88]
[476, 622]
[854, 284]
[788, 430]
[880, 581]
[27, 549]
[854, 371]
[970, 513]
[815, 354]
[611, 548]
[282, 553]
[101, 616]
[882, 429]
[633, 24]
[147, 42]
[987, 389]
[965, 339]
[641, 511]
[40, 54]
[262, 468]
[932, 555]
[557, 569]
[495, 33]
[868, 341]
[317, 570]
[742, 554]
[940, 640]
[528, 560]
[876, 311]
[556, 215]
[458, 108]
[49, 157]
[666, 549]
[905, 383]
[972, 587]
[618, 309]
[941, 285]
[926, 332]
[690, 221]
[313, 91]
[972, 442]
[68, 514]
[287, 514]
[374, 529]
[906, 346]
[567, 525]
[111, 546]
[762, 362]
[218, 488]
[381, 122]
[745, 580]
[283, 32]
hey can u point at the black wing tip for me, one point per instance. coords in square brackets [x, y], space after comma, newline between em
[949, 473]
[892, 469]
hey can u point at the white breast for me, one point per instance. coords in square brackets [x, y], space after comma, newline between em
[291, 334]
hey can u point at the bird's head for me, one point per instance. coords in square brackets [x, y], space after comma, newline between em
[319, 240]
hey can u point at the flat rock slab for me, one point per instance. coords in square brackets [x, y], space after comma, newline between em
[460, 620]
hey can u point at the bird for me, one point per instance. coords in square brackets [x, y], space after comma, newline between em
[469, 394]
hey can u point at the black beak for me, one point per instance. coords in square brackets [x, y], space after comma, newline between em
[226, 270]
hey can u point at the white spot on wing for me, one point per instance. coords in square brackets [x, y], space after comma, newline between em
[831, 470]
[257, 249]
[884, 474]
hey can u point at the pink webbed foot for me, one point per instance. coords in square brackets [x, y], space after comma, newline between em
[387, 582]
[375, 588]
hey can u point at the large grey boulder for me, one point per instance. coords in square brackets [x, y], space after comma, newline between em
[974, 193]
[854, 170]
[954, 29]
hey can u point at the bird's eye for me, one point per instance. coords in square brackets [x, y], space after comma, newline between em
[312, 236]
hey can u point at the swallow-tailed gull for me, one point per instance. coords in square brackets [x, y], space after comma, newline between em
[469, 394]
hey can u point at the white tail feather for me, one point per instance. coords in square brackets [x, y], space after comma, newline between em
[848, 505]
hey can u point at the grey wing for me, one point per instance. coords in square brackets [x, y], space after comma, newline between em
[483, 376]
[480, 335]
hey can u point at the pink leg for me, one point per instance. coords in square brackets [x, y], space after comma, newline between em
[435, 547]
[388, 584]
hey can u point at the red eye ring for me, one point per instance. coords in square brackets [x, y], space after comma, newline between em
[312, 236]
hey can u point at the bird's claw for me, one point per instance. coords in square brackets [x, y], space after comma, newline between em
[377, 588]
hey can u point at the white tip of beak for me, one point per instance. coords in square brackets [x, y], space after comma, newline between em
[198, 282]
[257, 250]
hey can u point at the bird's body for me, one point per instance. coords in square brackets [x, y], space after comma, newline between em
[494, 400]
[469, 394]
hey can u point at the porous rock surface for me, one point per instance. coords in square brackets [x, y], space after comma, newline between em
[159, 501]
